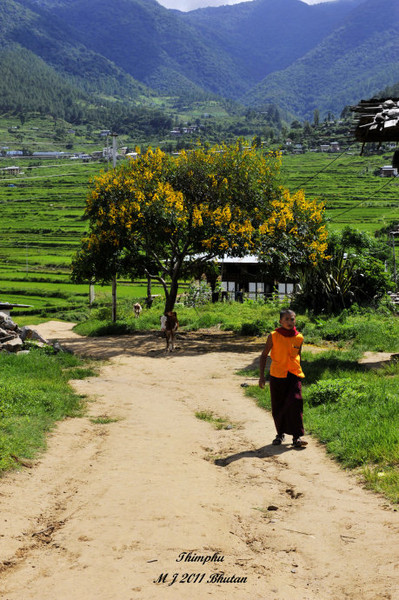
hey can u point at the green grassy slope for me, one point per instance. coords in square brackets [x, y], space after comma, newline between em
[348, 186]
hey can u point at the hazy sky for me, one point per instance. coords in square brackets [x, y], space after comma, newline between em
[192, 4]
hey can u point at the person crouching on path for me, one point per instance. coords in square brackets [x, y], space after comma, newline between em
[285, 345]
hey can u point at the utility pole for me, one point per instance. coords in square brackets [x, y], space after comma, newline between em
[114, 299]
[114, 136]
[393, 233]
[107, 151]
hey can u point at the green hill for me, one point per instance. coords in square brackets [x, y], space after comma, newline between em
[281, 52]
[30, 26]
[20, 71]
[154, 45]
[355, 61]
[264, 36]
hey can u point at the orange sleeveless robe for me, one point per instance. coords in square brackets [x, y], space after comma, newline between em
[285, 355]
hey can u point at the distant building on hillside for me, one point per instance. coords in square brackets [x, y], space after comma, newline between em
[388, 171]
[298, 149]
[183, 130]
[13, 170]
[14, 153]
[81, 156]
[53, 154]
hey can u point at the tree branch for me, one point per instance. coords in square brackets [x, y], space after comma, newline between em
[158, 278]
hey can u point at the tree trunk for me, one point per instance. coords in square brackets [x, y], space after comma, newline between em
[171, 296]
[114, 299]
[149, 292]
[92, 294]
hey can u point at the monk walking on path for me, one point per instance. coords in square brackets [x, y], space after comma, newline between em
[285, 345]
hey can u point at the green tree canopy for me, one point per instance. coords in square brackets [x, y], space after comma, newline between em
[354, 273]
[161, 214]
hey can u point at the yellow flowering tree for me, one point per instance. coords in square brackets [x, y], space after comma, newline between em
[161, 214]
[294, 237]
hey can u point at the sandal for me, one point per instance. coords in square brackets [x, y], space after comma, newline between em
[298, 443]
[278, 439]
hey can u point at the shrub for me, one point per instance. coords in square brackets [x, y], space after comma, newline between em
[74, 316]
[103, 313]
[254, 328]
[198, 294]
[335, 390]
[257, 327]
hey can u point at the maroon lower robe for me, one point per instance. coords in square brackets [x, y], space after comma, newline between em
[287, 404]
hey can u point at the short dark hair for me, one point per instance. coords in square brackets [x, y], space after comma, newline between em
[285, 311]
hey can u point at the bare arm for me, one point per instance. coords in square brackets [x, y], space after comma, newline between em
[262, 362]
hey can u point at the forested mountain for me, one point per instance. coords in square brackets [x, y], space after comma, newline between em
[355, 61]
[153, 44]
[26, 24]
[392, 91]
[28, 84]
[283, 52]
[264, 36]
[20, 72]
[44, 69]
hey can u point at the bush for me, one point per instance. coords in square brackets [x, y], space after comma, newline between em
[74, 316]
[257, 327]
[335, 390]
[103, 313]
[353, 275]
[198, 294]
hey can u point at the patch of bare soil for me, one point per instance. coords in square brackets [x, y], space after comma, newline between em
[156, 504]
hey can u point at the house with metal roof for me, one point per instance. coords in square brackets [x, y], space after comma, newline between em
[244, 276]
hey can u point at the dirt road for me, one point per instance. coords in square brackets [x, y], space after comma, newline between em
[157, 504]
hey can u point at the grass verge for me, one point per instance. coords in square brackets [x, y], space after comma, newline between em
[34, 395]
[360, 329]
[354, 412]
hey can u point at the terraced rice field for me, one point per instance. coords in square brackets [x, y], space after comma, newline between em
[353, 194]
[40, 229]
[42, 217]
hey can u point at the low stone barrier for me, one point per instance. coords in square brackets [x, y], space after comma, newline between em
[13, 338]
